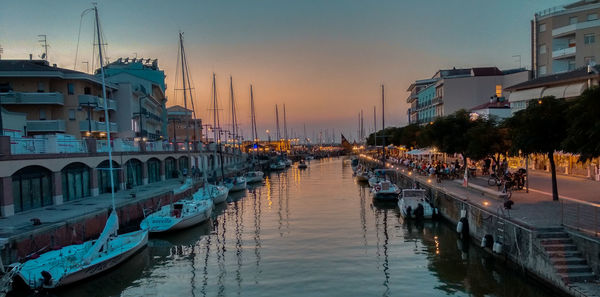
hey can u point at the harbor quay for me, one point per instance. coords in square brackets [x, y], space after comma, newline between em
[536, 236]
[73, 202]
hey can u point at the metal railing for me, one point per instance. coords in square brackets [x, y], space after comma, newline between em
[580, 215]
[20, 146]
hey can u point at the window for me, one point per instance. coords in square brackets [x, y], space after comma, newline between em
[571, 65]
[589, 38]
[572, 20]
[589, 60]
[42, 114]
[40, 87]
[498, 90]
[87, 91]
[70, 89]
[72, 114]
[592, 16]
[542, 70]
[542, 28]
[542, 49]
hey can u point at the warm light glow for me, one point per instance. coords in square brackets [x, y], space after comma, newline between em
[485, 203]
[498, 90]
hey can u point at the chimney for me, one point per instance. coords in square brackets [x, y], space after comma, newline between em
[30, 57]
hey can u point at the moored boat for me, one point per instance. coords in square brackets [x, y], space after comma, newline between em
[385, 191]
[278, 165]
[179, 215]
[216, 193]
[254, 176]
[414, 205]
[236, 184]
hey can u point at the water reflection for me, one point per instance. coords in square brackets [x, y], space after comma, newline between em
[324, 237]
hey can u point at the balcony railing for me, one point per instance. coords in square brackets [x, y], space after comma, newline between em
[96, 102]
[97, 126]
[22, 145]
[46, 126]
[564, 53]
[570, 29]
[32, 98]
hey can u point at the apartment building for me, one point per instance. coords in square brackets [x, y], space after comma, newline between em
[450, 90]
[39, 99]
[179, 118]
[142, 106]
[566, 37]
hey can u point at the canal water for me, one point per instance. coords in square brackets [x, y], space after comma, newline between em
[312, 232]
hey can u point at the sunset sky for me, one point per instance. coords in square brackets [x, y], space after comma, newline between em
[324, 59]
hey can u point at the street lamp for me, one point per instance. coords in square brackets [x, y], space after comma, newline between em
[269, 135]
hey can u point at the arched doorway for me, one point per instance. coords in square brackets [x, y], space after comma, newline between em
[75, 181]
[170, 168]
[153, 170]
[184, 164]
[32, 188]
[134, 173]
[104, 176]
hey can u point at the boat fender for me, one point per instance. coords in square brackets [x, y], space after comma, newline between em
[47, 278]
[483, 242]
[459, 227]
[463, 213]
[497, 248]
[463, 227]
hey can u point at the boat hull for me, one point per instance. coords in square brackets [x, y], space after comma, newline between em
[238, 187]
[408, 212]
[162, 224]
[94, 268]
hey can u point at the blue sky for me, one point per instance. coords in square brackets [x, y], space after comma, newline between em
[324, 59]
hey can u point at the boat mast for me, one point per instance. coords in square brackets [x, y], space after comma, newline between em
[285, 134]
[233, 115]
[383, 121]
[216, 125]
[375, 123]
[183, 78]
[106, 120]
[277, 125]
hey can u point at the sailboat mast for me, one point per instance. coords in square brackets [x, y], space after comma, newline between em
[383, 121]
[285, 134]
[253, 116]
[233, 116]
[106, 120]
[183, 77]
[375, 123]
[277, 122]
[214, 85]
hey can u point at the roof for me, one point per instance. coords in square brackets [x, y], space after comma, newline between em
[579, 74]
[492, 105]
[41, 68]
[486, 71]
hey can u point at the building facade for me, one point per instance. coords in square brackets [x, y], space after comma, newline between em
[142, 104]
[453, 89]
[564, 38]
[53, 100]
[178, 130]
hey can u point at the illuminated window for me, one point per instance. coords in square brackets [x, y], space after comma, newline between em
[498, 90]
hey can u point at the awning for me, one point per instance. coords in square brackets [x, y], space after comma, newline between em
[557, 92]
[525, 95]
[575, 90]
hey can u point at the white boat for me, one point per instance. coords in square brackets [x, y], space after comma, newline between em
[236, 184]
[216, 193]
[362, 175]
[279, 165]
[302, 165]
[373, 180]
[74, 263]
[179, 215]
[287, 162]
[77, 262]
[385, 191]
[414, 204]
[254, 176]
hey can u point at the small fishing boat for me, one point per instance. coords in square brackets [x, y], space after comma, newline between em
[179, 215]
[235, 184]
[216, 193]
[385, 191]
[302, 165]
[254, 176]
[414, 205]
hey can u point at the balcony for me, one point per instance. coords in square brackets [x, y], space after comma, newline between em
[96, 102]
[564, 53]
[97, 126]
[32, 98]
[570, 29]
[46, 126]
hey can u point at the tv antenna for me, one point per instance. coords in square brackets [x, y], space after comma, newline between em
[45, 45]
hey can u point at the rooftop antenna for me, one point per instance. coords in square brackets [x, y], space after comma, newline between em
[45, 45]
